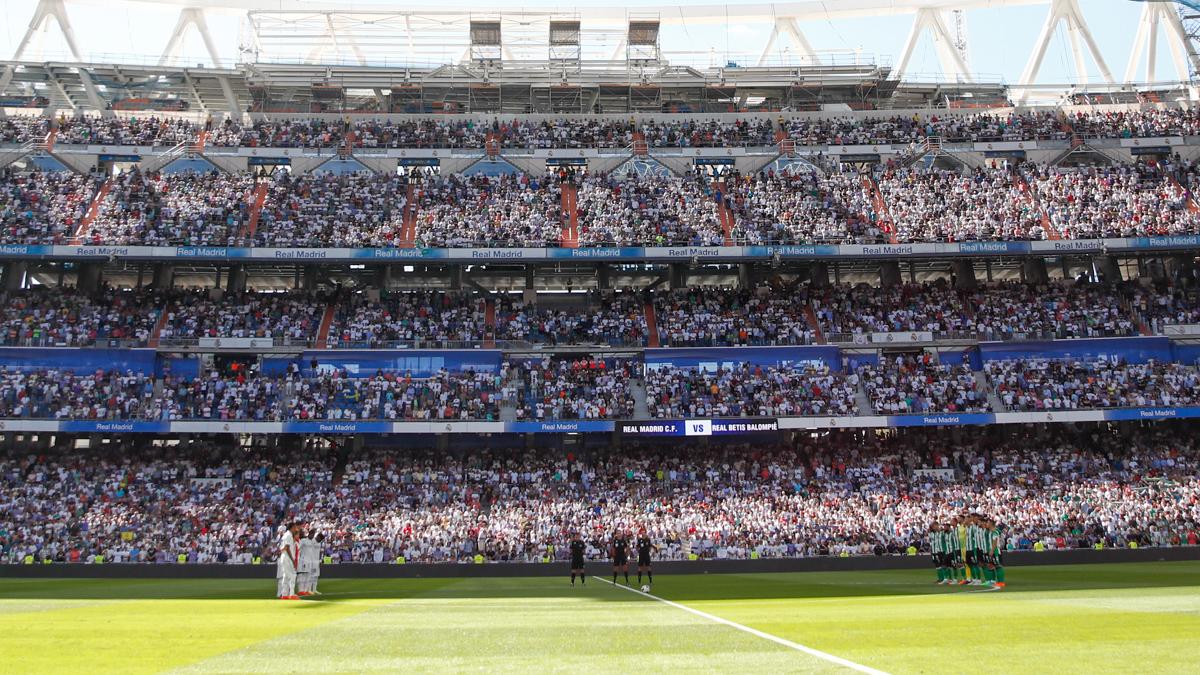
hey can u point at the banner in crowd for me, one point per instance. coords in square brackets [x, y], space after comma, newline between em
[797, 251]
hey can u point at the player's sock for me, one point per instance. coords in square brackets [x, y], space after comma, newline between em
[614, 577]
[627, 578]
[999, 574]
[572, 578]
[649, 576]
[583, 578]
[639, 577]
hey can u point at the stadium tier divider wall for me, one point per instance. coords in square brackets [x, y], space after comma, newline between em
[600, 568]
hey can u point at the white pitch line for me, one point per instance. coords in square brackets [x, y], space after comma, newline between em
[755, 632]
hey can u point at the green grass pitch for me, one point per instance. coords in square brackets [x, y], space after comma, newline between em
[1062, 619]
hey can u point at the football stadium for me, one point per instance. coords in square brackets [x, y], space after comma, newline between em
[802, 336]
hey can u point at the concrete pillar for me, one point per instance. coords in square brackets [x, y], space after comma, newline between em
[604, 276]
[1154, 269]
[456, 277]
[383, 276]
[964, 275]
[818, 275]
[678, 275]
[90, 277]
[13, 276]
[530, 277]
[745, 278]
[1110, 270]
[889, 273]
[1034, 271]
[164, 276]
[237, 279]
[308, 279]
[1182, 269]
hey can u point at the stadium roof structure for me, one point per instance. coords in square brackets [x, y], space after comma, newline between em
[493, 59]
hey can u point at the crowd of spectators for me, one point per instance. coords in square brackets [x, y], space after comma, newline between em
[610, 133]
[1008, 310]
[614, 319]
[333, 394]
[851, 311]
[43, 207]
[802, 207]
[60, 394]
[907, 384]
[780, 314]
[293, 316]
[195, 503]
[713, 317]
[512, 210]
[902, 130]
[1167, 306]
[190, 209]
[1072, 384]
[53, 317]
[840, 493]
[574, 388]
[931, 205]
[242, 394]
[1124, 200]
[316, 210]
[648, 210]
[368, 210]
[408, 317]
[743, 389]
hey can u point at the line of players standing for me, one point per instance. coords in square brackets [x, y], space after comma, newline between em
[298, 568]
[968, 550]
[618, 551]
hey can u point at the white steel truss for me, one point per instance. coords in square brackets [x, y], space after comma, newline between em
[930, 20]
[1145, 43]
[1067, 12]
[194, 17]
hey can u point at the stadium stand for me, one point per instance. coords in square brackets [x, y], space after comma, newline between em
[1053, 486]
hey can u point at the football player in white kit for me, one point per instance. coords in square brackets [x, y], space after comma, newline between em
[310, 564]
[285, 566]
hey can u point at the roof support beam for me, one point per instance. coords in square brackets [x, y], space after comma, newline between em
[93, 95]
[930, 20]
[231, 101]
[1060, 11]
[1154, 15]
[46, 10]
[194, 17]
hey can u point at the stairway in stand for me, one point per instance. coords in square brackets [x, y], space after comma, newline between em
[489, 320]
[882, 212]
[724, 214]
[570, 202]
[93, 211]
[810, 316]
[326, 324]
[256, 206]
[408, 227]
[156, 332]
[1047, 226]
[651, 325]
